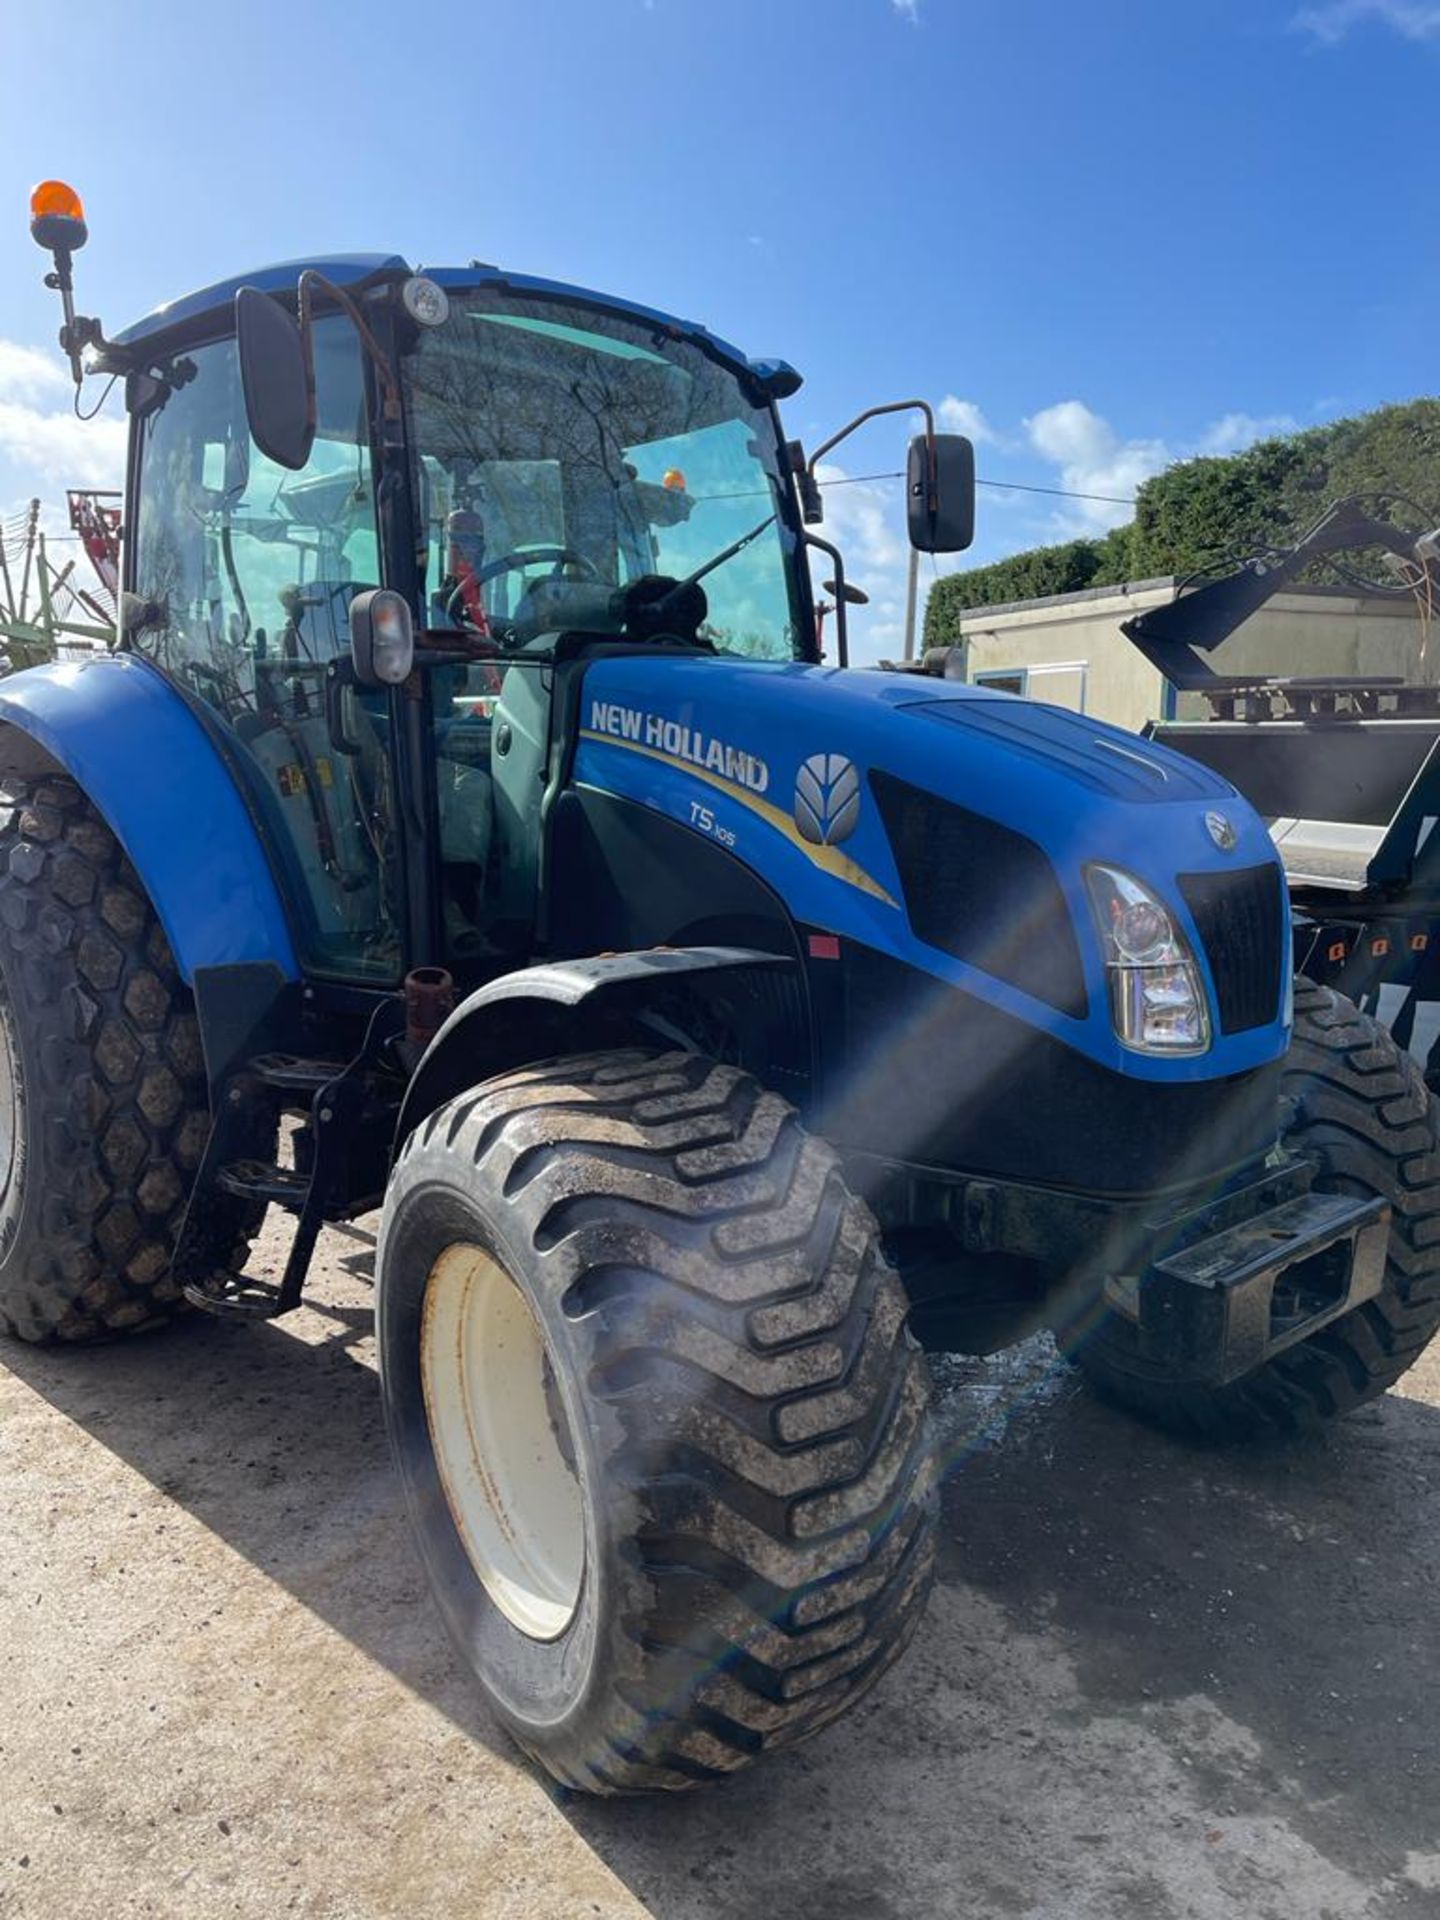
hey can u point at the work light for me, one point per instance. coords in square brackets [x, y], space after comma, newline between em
[425, 301]
[382, 638]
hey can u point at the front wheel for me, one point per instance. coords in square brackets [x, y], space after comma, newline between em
[1362, 1113]
[663, 1435]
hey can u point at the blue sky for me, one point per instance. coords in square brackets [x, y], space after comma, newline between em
[1106, 233]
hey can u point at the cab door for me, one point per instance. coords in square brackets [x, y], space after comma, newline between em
[246, 572]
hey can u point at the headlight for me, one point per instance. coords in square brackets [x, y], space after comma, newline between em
[1157, 1001]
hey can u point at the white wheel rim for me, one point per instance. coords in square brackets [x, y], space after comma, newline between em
[10, 1134]
[500, 1435]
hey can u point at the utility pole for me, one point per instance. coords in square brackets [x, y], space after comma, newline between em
[911, 592]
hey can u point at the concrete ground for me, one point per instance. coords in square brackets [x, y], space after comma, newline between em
[1153, 1682]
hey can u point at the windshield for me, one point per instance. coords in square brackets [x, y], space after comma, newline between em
[565, 454]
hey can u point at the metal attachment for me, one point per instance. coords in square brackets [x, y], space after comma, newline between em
[429, 1001]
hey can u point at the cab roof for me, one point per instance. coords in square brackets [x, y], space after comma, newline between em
[178, 317]
[345, 269]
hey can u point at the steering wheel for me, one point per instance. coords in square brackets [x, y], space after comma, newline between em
[516, 562]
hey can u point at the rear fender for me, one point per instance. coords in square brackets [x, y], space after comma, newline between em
[140, 755]
[562, 1007]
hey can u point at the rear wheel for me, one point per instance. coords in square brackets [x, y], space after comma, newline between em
[663, 1435]
[1362, 1112]
[103, 1106]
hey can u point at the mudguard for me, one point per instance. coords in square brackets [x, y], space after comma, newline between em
[473, 1044]
[145, 761]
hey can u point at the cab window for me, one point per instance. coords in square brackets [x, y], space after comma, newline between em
[246, 571]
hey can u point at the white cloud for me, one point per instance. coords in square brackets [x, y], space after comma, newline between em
[1333, 20]
[963, 416]
[58, 448]
[1094, 460]
[1086, 456]
[1233, 432]
[860, 520]
[908, 10]
[42, 444]
[865, 521]
[25, 371]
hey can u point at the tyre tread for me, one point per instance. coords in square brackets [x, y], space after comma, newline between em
[1362, 1110]
[120, 1090]
[722, 1282]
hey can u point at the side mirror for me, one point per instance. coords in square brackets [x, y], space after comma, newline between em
[276, 375]
[941, 504]
[382, 638]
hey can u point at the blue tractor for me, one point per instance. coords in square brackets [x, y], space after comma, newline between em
[464, 822]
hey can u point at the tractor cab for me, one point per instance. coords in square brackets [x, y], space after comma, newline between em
[549, 469]
[525, 473]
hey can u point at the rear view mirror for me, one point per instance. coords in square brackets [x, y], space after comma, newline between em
[941, 501]
[276, 376]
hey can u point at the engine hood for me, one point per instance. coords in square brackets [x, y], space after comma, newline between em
[794, 770]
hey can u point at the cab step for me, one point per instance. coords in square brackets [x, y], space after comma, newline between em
[338, 1101]
[235, 1296]
[290, 1073]
[256, 1180]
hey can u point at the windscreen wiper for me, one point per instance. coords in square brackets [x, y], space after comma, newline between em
[727, 553]
[650, 608]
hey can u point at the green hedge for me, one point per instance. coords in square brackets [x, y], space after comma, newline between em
[1202, 512]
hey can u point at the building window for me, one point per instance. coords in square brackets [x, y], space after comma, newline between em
[1007, 679]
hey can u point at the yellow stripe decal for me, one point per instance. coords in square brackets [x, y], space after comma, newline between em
[829, 859]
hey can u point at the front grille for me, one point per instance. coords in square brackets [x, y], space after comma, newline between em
[1240, 918]
[982, 892]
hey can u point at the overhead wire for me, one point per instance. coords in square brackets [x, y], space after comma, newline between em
[1007, 486]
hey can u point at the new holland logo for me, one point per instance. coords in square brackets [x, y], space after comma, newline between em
[827, 799]
[1221, 829]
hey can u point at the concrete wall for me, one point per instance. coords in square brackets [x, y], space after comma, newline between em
[1071, 651]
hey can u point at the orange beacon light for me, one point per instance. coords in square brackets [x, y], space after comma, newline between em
[57, 217]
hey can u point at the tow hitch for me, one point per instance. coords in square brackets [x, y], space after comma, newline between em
[1223, 1305]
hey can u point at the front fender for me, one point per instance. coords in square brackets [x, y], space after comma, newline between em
[143, 759]
[533, 1006]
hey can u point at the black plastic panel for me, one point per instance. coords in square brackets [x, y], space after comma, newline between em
[982, 892]
[623, 877]
[921, 1071]
[1240, 920]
